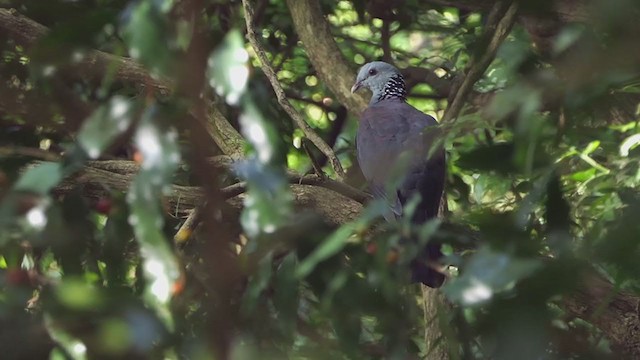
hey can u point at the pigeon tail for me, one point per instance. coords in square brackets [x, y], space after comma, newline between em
[425, 268]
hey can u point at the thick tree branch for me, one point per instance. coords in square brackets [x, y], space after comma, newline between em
[96, 183]
[282, 98]
[332, 68]
[125, 167]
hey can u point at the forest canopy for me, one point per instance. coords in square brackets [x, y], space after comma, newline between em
[178, 179]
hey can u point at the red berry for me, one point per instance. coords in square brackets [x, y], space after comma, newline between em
[17, 277]
[372, 248]
[103, 206]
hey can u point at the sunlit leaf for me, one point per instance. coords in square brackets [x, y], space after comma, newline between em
[487, 273]
[268, 201]
[628, 144]
[228, 71]
[593, 146]
[160, 156]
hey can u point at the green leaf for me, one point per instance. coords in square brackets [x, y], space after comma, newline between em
[147, 34]
[286, 298]
[104, 125]
[40, 179]
[584, 175]
[79, 295]
[593, 146]
[328, 248]
[488, 272]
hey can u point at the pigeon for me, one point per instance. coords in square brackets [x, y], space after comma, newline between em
[391, 136]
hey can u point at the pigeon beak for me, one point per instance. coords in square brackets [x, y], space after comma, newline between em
[356, 87]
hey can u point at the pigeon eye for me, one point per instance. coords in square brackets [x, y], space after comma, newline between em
[373, 71]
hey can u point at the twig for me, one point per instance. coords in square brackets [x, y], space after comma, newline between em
[385, 36]
[186, 229]
[193, 219]
[282, 98]
[501, 19]
[314, 162]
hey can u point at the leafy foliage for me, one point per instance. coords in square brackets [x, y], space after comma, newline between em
[102, 166]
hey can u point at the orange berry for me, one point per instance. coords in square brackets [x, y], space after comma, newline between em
[137, 157]
[392, 256]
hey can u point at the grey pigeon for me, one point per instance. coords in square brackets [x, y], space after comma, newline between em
[390, 135]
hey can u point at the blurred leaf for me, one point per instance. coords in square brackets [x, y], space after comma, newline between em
[160, 158]
[268, 200]
[117, 241]
[104, 125]
[628, 144]
[567, 37]
[487, 273]
[329, 247]
[79, 295]
[258, 282]
[498, 157]
[72, 347]
[40, 179]
[593, 146]
[228, 71]
[286, 297]
[147, 35]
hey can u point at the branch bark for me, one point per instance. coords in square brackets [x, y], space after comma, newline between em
[616, 313]
[96, 183]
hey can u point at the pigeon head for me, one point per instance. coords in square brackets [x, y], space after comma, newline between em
[384, 81]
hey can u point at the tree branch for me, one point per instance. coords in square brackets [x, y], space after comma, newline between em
[318, 196]
[125, 167]
[500, 21]
[282, 98]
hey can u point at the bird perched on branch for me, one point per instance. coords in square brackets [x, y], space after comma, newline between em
[390, 133]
